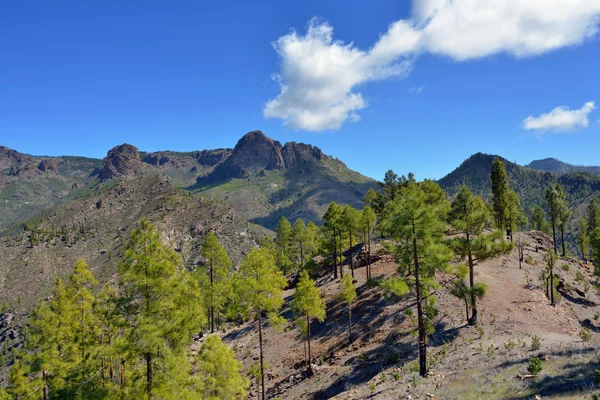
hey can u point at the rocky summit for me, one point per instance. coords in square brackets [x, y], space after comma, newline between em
[121, 161]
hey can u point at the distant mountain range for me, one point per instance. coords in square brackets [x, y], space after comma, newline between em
[559, 167]
[260, 178]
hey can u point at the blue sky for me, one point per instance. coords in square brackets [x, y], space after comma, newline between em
[78, 78]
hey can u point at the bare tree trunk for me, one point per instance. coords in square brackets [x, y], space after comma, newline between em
[351, 257]
[149, 374]
[341, 255]
[369, 276]
[554, 236]
[335, 271]
[308, 333]
[473, 319]
[420, 319]
[262, 365]
[562, 238]
[212, 302]
[45, 390]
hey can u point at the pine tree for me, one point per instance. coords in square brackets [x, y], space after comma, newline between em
[331, 228]
[215, 275]
[499, 192]
[308, 304]
[593, 215]
[469, 216]
[554, 204]
[515, 216]
[52, 352]
[368, 218]
[161, 304]
[350, 223]
[417, 218]
[538, 219]
[261, 292]
[111, 323]
[563, 215]
[299, 239]
[550, 259]
[284, 243]
[583, 238]
[348, 295]
[313, 239]
[220, 372]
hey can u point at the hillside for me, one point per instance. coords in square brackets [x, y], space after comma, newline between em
[29, 184]
[557, 166]
[264, 181]
[467, 363]
[93, 228]
[260, 178]
[529, 184]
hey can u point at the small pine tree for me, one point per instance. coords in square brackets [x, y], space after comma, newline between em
[308, 304]
[216, 287]
[219, 371]
[348, 295]
[260, 291]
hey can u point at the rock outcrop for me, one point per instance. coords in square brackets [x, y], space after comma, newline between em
[120, 161]
[256, 153]
[211, 157]
[48, 166]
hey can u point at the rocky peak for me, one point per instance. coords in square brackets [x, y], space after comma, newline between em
[297, 153]
[255, 152]
[48, 166]
[120, 160]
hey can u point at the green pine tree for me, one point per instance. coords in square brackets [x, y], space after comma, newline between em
[308, 304]
[220, 372]
[331, 229]
[348, 295]
[299, 239]
[260, 291]
[469, 216]
[368, 218]
[417, 221]
[161, 305]
[499, 192]
[215, 275]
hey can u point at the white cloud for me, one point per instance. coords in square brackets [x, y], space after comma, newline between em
[319, 75]
[416, 90]
[560, 119]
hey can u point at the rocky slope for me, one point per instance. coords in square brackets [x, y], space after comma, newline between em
[467, 363]
[29, 184]
[261, 179]
[93, 228]
[530, 185]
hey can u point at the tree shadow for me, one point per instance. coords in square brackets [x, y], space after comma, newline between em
[575, 378]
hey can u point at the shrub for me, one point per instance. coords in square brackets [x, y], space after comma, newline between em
[565, 267]
[535, 366]
[585, 334]
[536, 342]
[597, 376]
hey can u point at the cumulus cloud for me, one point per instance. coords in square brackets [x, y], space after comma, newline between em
[560, 119]
[319, 75]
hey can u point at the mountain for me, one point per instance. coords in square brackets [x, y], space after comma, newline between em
[29, 184]
[260, 178]
[530, 184]
[95, 226]
[557, 166]
[264, 181]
